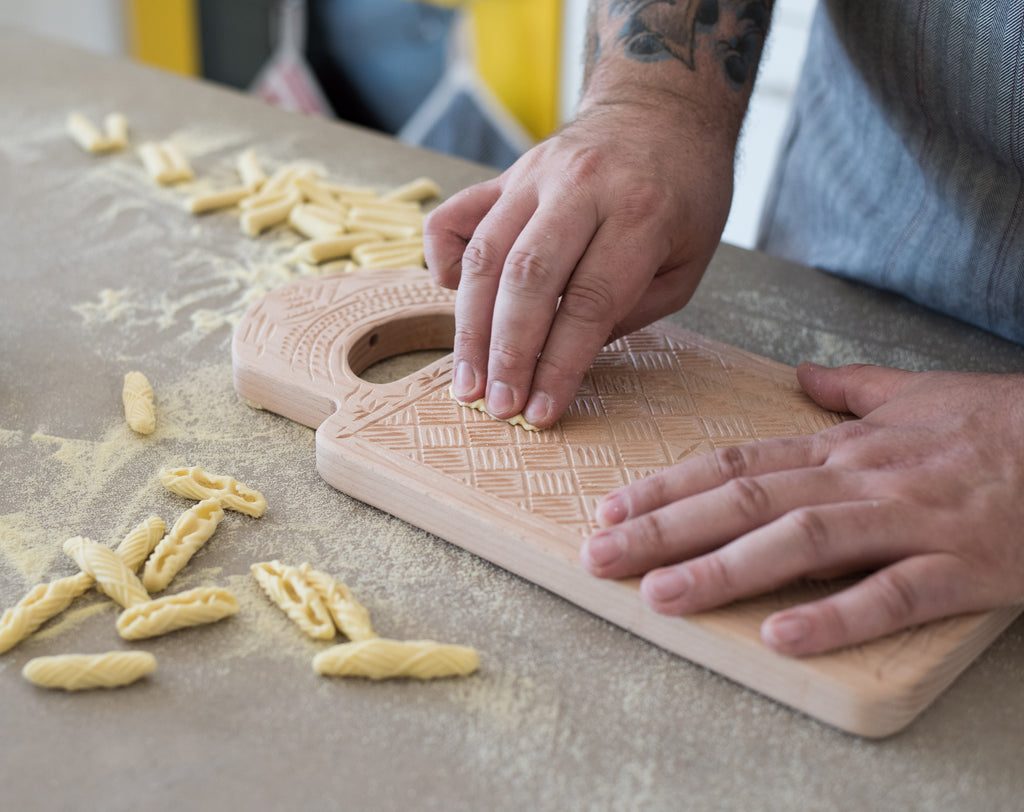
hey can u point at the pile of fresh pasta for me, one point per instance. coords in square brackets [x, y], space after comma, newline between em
[345, 227]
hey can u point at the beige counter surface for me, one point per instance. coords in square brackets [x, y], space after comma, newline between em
[103, 272]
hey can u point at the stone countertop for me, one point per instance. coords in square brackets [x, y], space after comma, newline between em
[104, 272]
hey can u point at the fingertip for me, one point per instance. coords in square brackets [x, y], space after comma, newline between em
[611, 509]
[665, 590]
[787, 632]
[540, 410]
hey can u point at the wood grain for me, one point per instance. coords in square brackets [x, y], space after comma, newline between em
[525, 500]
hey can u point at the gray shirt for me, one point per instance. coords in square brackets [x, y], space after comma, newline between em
[903, 164]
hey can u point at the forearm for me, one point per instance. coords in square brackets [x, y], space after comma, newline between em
[700, 56]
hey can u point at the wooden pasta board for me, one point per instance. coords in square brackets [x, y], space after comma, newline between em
[524, 500]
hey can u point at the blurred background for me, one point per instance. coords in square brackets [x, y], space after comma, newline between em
[481, 79]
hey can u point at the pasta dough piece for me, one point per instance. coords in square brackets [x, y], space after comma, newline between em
[250, 170]
[288, 588]
[217, 200]
[481, 406]
[418, 190]
[115, 125]
[165, 163]
[327, 248]
[113, 577]
[397, 258]
[140, 542]
[195, 483]
[350, 616]
[89, 137]
[256, 221]
[192, 530]
[381, 658]
[78, 672]
[40, 604]
[315, 192]
[305, 219]
[139, 408]
[385, 228]
[48, 600]
[184, 609]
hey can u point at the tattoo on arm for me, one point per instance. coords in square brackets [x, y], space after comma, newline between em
[731, 31]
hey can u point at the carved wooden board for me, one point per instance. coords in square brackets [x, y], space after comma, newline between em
[524, 500]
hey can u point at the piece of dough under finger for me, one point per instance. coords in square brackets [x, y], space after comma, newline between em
[79, 672]
[194, 607]
[380, 658]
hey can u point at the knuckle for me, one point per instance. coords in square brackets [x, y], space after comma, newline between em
[525, 270]
[831, 623]
[731, 461]
[749, 498]
[589, 302]
[653, 536]
[811, 536]
[715, 576]
[897, 596]
[480, 257]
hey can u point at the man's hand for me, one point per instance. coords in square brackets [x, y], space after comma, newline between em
[925, 491]
[601, 229]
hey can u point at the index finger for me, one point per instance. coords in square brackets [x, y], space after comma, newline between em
[448, 229]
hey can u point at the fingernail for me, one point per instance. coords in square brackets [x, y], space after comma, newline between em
[612, 510]
[464, 381]
[538, 408]
[605, 549]
[499, 398]
[785, 630]
[667, 585]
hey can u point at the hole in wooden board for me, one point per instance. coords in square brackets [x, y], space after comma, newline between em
[391, 351]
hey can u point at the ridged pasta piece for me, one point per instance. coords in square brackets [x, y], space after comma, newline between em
[350, 617]
[139, 408]
[288, 588]
[195, 483]
[381, 658]
[78, 672]
[113, 577]
[46, 601]
[40, 604]
[191, 608]
[192, 530]
[481, 406]
[140, 542]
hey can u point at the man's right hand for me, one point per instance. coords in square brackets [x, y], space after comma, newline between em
[605, 227]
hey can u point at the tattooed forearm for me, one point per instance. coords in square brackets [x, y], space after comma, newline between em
[730, 32]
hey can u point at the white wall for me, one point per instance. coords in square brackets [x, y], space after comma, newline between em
[97, 25]
[769, 106]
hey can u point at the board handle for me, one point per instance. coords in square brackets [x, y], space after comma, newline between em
[300, 350]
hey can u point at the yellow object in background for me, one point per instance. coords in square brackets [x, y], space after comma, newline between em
[164, 33]
[517, 49]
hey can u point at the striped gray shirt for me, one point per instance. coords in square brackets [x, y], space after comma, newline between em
[903, 165]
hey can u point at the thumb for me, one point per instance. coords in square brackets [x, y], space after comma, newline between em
[854, 388]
